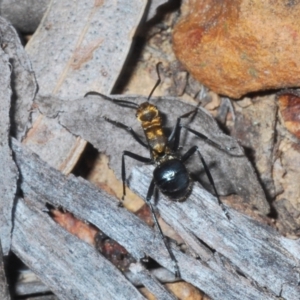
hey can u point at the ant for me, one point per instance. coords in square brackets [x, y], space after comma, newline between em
[170, 176]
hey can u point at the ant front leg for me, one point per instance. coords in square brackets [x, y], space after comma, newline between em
[128, 129]
[186, 156]
[148, 199]
[136, 157]
[175, 134]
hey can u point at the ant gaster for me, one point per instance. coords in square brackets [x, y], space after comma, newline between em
[170, 175]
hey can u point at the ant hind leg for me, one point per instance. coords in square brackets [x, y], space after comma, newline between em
[186, 156]
[123, 168]
[150, 193]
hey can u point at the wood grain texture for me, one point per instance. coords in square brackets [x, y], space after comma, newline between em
[81, 46]
[23, 81]
[41, 184]
[9, 173]
[4, 295]
[47, 246]
[251, 248]
[78, 47]
[71, 268]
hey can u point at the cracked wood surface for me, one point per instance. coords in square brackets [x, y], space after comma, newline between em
[9, 173]
[238, 243]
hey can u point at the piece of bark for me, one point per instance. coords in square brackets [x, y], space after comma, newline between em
[150, 282]
[41, 184]
[286, 177]
[22, 236]
[256, 250]
[9, 174]
[81, 46]
[30, 287]
[28, 283]
[232, 172]
[24, 15]
[23, 82]
[256, 133]
[71, 268]
[4, 295]
[54, 144]
[162, 274]
[47, 297]
[78, 47]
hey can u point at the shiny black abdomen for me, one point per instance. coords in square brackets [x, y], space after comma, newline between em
[172, 179]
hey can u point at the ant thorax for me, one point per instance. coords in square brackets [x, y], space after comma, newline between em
[168, 155]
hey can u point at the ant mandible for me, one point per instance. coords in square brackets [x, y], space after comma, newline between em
[170, 175]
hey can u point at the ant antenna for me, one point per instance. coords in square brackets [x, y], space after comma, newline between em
[157, 82]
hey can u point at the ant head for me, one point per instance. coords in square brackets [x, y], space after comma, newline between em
[147, 112]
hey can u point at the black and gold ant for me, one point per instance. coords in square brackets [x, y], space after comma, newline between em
[170, 176]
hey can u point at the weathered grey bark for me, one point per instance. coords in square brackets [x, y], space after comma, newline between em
[9, 174]
[71, 268]
[47, 297]
[139, 273]
[24, 15]
[23, 82]
[78, 47]
[27, 15]
[4, 295]
[244, 241]
[30, 286]
[82, 45]
[251, 248]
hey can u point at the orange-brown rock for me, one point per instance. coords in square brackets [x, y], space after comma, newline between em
[239, 46]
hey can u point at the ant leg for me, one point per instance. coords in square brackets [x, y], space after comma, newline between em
[205, 138]
[136, 157]
[129, 129]
[175, 134]
[186, 156]
[148, 198]
[123, 103]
